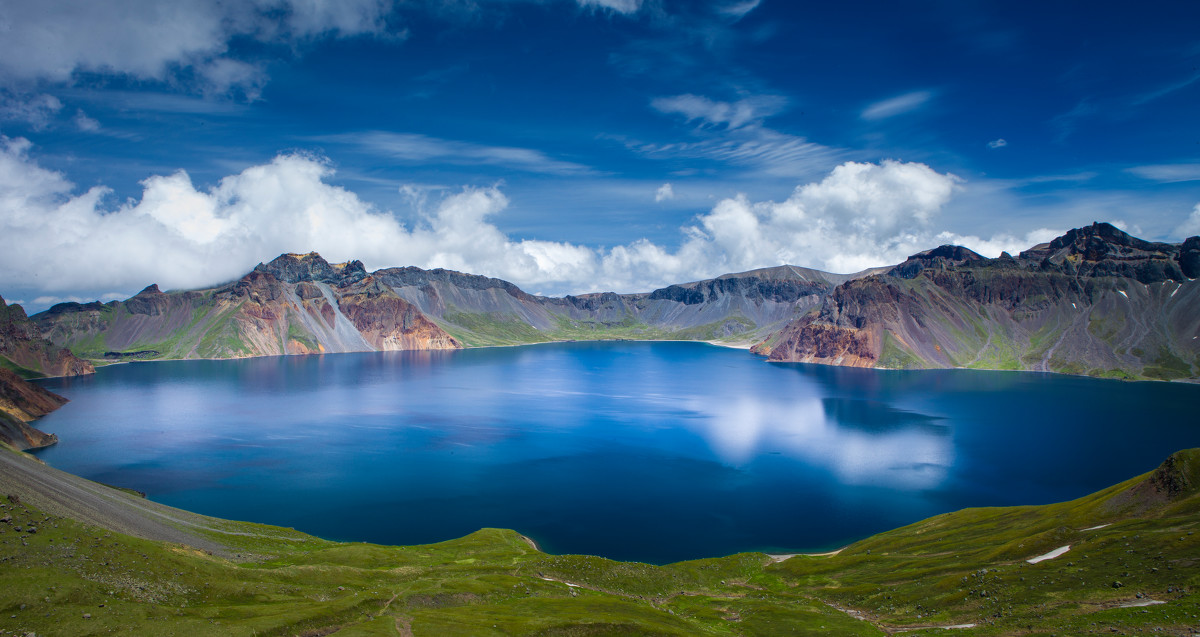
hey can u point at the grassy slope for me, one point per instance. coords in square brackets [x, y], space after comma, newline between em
[964, 567]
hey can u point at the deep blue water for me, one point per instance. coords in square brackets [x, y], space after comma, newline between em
[638, 451]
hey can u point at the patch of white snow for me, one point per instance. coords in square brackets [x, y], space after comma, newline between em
[1049, 556]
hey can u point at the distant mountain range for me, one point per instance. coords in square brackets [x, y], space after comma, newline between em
[1095, 301]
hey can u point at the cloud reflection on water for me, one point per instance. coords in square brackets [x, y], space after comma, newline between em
[860, 442]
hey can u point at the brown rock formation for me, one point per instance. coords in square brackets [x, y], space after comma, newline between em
[21, 343]
[389, 322]
[20, 403]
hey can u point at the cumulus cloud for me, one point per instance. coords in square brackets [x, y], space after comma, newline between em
[665, 192]
[149, 39]
[997, 143]
[896, 105]
[1191, 226]
[860, 215]
[750, 110]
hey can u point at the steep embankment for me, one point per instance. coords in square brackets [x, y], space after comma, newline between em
[296, 304]
[20, 403]
[1095, 301]
[81, 558]
[24, 350]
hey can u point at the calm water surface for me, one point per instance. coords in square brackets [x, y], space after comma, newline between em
[641, 451]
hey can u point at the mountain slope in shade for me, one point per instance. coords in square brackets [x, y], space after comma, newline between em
[1095, 301]
[24, 350]
[20, 403]
[296, 304]
[738, 307]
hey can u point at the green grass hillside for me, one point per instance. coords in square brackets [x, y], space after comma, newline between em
[62, 576]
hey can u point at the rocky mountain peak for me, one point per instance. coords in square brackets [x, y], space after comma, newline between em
[1101, 249]
[295, 268]
[1100, 242]
[937, 258]
[151, 301]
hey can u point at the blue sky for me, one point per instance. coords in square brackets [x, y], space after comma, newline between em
[572, 145]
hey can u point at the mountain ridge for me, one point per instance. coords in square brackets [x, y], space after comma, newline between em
[1093, 301]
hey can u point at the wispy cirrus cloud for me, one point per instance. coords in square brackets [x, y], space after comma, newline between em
[898, 105]
[1166, 90]
[734, 133]
[1167, 173]
[749, 110]
[412, 147]
[618, 6]
[738, 10]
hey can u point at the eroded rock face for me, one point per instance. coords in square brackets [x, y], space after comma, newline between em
[22, 343]
[389, 322]
[815, 342]
[21, 402]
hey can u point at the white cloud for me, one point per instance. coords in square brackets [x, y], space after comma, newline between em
[738, 10]
[620, 6]
[896, 105]
[36, 110]
[149, 39]
[860, 215]
[411, 147]
[997, 143]
[1168, 173]
[85, 123]
[750, 110]
[665, 192]
[1191, 226]
[733, 132]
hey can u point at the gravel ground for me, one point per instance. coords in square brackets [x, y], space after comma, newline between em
[65, 495]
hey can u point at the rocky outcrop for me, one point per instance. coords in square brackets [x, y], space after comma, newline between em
[23, 347]
[151, 302]
[389, 322]
[1177, 478]
[296, 268]
[20, 403]
[1095, 301]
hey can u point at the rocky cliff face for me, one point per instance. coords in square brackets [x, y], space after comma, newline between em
[1095, 301]
[20, 403]
[23, 348]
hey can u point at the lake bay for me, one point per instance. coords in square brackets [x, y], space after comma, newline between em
[655, 452]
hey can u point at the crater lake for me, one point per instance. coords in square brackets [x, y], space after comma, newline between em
[648, 451]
